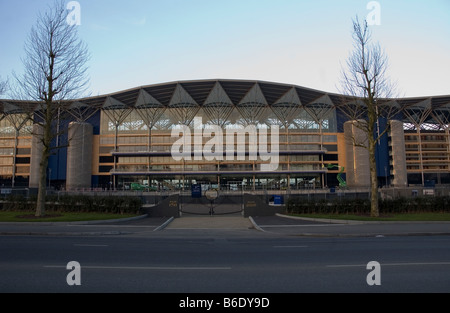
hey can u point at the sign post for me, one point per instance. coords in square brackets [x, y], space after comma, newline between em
[196, 191]
[211, 195]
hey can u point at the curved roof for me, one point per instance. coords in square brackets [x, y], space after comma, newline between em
[222, 92]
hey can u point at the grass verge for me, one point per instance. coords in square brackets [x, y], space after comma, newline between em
[407, 217]
[28, 216]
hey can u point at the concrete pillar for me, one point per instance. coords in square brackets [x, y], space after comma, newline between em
[398, 154]
[36, 155]
[357, 169]
[79, 156]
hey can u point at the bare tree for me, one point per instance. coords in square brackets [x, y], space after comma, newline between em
[367, 89]
[3, 86]
[54, 70]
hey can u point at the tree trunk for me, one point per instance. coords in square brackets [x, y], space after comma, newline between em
[42, 191]
[374, 212]
[40, 206]
[55, 70]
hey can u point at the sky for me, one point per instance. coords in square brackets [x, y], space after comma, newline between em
[136, 43]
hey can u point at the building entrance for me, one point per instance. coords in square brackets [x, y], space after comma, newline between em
[226, 203]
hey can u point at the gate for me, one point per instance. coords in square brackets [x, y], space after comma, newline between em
[226, 203]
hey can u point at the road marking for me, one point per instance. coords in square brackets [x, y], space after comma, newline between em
[391, 264]
[153, 268]
[89, 245]
[205, 228]
[315, 225]
[290, 246]
[115, 226]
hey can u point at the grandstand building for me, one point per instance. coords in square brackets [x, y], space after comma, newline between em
[115, 140]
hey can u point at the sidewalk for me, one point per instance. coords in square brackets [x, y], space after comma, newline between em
[294, 226]
[275, 225]
[210, 222]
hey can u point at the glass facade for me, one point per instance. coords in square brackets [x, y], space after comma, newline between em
[175, 134]
[131, 149]
[15, 150]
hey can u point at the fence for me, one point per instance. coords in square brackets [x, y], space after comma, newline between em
[317, 194]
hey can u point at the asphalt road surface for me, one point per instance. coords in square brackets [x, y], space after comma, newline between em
[223, 261]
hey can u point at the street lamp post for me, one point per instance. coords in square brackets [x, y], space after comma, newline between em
[385, 174]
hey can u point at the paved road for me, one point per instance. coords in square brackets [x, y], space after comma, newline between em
[227, 254]
[227, 262]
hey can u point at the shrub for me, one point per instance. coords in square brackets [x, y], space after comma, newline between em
[301, 205]
[77, 203]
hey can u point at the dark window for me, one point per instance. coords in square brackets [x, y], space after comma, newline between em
[330, 157]
[414, 179]
[106, 159]
[105, 169]
[22, 160]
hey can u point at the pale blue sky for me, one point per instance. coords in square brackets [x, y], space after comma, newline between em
[137, 42]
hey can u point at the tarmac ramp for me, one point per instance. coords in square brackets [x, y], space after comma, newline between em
[248, 205]
[210, 222]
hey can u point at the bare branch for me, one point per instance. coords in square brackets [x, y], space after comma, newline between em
[366, 90]
[55, 70]
[3, 86]
[54, 57]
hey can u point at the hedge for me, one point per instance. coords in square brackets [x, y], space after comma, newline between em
[76, 203]
[362, 206]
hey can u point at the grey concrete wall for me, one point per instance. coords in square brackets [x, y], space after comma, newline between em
[79, 156]
[167, 208]
[358, 170]
[398, 154]
[255, 206]
[349, 166]
[36, 155]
